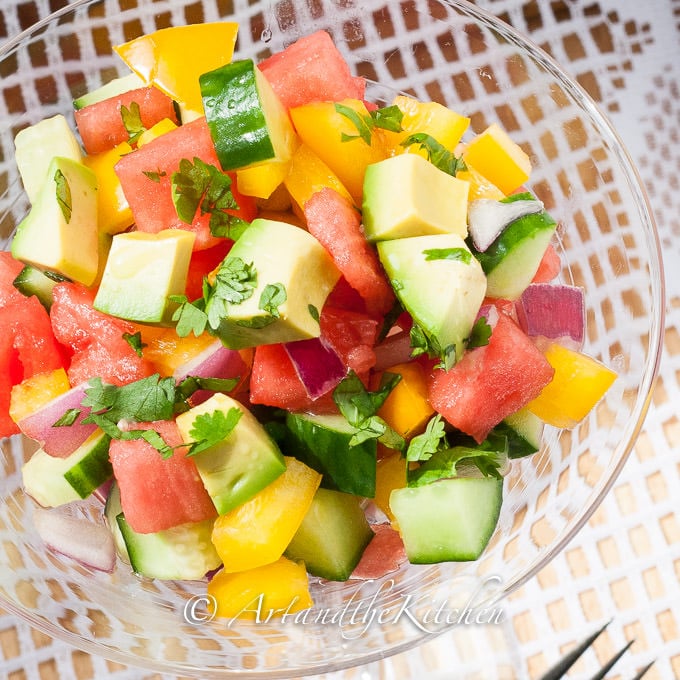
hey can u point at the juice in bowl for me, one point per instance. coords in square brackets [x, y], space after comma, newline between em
[602, 241]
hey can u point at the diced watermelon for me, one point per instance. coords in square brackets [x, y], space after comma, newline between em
[274, 382]
[99, 348]
[549, 266]
[343, 296]
[490, 382]
[201, 264]
[337, 225]
[146, 178]
[27, 347]
[101, 125]
[352, 335]
[157, 493]
[312, 70]
[9, 270]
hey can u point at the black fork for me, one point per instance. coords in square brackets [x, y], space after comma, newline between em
[559, 670]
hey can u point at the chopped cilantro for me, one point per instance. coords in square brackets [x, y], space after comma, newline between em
[388, 118]
[189, 316]
[64, 199]
[154, 175]
[422, 446]
[132, 121]
[135, 341]
[424, 343]
[68, 419]
[200, 186]
[273, 295]
[314, 313]
[437, 153]
[209, 429]
[480, 334]
[456, 254]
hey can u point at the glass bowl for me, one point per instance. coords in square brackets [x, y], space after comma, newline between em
[446, 51]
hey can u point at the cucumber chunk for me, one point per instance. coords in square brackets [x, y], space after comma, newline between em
[450, 520]
[524, 431]
[323, 443]
[112, 509]
[114, 87]
[332, 536]
[32, 281]
[55, 481]
[184, 552]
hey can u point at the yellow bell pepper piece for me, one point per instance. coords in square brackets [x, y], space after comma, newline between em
[431, 118]
[480, 187]
[578, 384]
[262, 180]
[113, 212]
[390, 474]
[160, 128]
[167, 351]
[501, 160]
[407, 409]
[308, 174]
[321, 127]
[173, 58]
[34, 392]
[259, 530]
[262, 593]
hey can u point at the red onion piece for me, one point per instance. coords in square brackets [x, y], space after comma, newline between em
[553, 311]
[89, 544]
[383, 554]
[393, 350]
[59, 441]
[216, 361]
[317, 365]
[488, 218]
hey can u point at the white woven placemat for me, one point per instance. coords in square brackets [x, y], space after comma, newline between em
[625, 564]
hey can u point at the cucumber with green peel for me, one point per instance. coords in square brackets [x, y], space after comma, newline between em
[55, 481]
[524, 431]
[184, 552]
[114, 87]
[112, 509]
[450, 520]
[323, 443]
[33, 281]
[511, 261]
[332, 536]
[247, 122]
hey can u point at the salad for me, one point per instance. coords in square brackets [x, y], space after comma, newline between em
[281, 331]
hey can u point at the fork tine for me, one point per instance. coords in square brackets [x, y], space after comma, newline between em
[568, 660]
[642, 671]
[600, 675]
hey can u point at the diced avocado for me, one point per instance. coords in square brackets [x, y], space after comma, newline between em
[60, 233]
[406, 195]
[239, 466]
[285, 262]
[332, 536]
[323, 443]
[524, 431]
[114, 87]
[439, 283]
[512, 260]
[141, 271]
[37, 145]
[448, 520]
[184, 552]
[32, 281]
[55, 481]
[247, 121]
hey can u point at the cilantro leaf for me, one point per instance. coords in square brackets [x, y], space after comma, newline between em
[422, 446]
[437, 153]
[235, 281]
[132, 122]
[359, 407]
[314, 313]
[484, 458]
[455, 254]
[193, 383]
[154, 175]
[135, 341]
[388, 118]
[209, 429]
[480, 334]
[189, 316]
[256, 322]
[69, 418]
[199, 186]
[273, 295]
[423, 342]
[64, 199]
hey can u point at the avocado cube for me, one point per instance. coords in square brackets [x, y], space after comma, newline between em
[142, 271]
[59, 233]
[239, 466]
[36, 146]
[439, 282]
[406, 196]
[283, 258]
